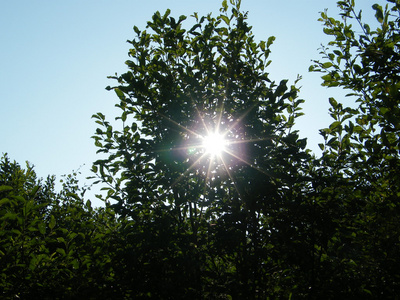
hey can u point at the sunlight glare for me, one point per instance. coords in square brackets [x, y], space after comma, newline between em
[214, 144]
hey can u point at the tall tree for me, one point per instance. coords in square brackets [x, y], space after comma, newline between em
[209, 219]
[360, 165]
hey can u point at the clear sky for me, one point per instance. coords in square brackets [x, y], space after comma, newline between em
[55, 57]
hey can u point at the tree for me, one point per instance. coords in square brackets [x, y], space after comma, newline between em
[211, 194]
[52, 245]
[204, 224]
[359, 169]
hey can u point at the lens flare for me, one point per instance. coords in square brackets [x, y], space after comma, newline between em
[214, 147]
[214, 144]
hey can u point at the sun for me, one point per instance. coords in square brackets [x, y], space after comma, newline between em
[214, 144]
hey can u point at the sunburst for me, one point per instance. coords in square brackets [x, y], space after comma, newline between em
[214, 144]
[216, 147]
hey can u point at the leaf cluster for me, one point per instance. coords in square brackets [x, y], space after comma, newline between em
[52, 244]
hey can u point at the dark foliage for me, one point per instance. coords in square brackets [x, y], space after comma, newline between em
[261, 219]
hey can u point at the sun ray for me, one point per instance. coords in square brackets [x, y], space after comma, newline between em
[221, 109]
[248, 163]
[249, 141]
[213, 147]
[241, 117]
[177, 148]
[188, 170]
[179, 125]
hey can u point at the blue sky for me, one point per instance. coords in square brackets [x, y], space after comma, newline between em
[55, 57]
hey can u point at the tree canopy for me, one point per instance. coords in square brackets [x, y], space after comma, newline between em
[210, 191]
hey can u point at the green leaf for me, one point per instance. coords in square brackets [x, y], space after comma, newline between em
[357, 69]
[378, 12]
[225, 19]
[123, 116]
[61, 251]
[16, 231]
[88, 204]
[338, 53]
[52, 222]
[10, 216]
[328, 31]
[4, 201]
[136, 29]
[333, 102]
[75, 264]
[270, 40]
[225, 5]
[327, 78]
[4, 188]
[42, 228]
[335, 125]
[327, 65]
[120, 94]
[34, 191]
[384, 110]
[73, 195]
